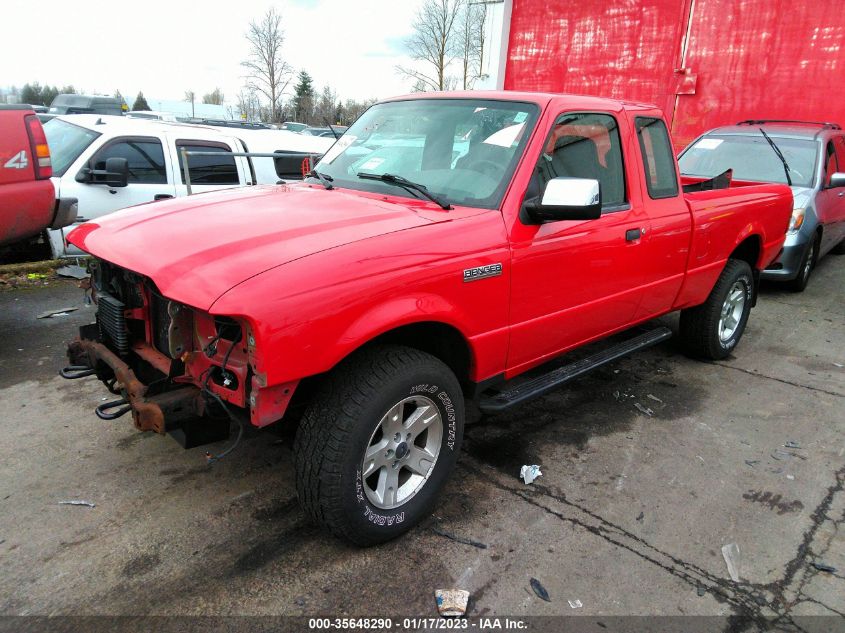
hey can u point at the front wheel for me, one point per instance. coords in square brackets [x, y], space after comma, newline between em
[713, 329]
[378, 443]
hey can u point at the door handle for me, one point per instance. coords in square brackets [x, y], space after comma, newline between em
[162, 196]
[632, 235]
[841, 193]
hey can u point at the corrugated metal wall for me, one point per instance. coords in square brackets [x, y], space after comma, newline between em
[743, 58]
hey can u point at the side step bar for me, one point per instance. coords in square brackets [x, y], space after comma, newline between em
[547, 382]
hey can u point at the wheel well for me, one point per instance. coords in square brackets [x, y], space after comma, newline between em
[748, 251]
[438, 339]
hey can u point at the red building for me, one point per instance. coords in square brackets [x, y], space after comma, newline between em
[705, 62]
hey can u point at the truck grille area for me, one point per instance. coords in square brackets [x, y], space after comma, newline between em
[112, 322]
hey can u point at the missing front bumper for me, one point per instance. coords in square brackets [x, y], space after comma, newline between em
[179, 412]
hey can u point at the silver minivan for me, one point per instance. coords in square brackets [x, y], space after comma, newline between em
[808, 156]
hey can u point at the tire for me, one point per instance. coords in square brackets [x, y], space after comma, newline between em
[808, 262]
[350, 417]
[703, 333]
[839, 249]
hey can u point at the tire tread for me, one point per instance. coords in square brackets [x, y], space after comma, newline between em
[698, 323]
[328, 423]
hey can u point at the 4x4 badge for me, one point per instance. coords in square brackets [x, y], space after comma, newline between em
[18, 161]
[482, 272]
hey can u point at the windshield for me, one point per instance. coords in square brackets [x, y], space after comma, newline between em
[751, 158]
[462, 150]
[66, 142]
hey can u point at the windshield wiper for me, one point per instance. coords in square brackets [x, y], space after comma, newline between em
[779, 154]
[325, 179]
[403, 182]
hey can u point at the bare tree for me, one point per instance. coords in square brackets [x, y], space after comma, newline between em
[190, 97]
[431, 45]
[215, 97]
[469, 40]
[268, 72]
[480, 36]
[249, 105]
[325, 109]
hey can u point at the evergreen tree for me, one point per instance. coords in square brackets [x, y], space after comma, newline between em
[303, 97]
[31, 94]
[140, 102]
[48, 94]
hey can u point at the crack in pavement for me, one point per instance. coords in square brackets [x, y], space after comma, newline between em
[804, 554]
[780, 380]
[746, 598]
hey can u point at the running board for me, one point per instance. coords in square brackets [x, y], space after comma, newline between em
[547, 382]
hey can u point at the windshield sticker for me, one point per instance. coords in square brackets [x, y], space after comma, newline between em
[373, 163]
[506, 136]
[709, 143]
[338, 148]
[520, 117]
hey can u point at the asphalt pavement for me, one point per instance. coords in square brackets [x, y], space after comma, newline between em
[650, 466]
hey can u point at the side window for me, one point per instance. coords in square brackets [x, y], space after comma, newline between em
[839, 157]
[584, 145]
[830, 163]
[219, 169]
[145, 158]
[658, 158]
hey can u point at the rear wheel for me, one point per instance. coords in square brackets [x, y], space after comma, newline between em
[839, 249]
[806, 268]
[378, 443]
[714, 328]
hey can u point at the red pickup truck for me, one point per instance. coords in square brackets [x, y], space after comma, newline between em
[27, 200]
[443, 246]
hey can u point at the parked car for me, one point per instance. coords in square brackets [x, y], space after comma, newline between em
[808, 156]
[27, 201]
[334, 131]
[152, 115]
[86, 104]
[242, 125]
[292, 126]
[402, 278]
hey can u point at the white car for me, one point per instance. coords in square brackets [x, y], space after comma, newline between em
[106, 163]
[152, 115]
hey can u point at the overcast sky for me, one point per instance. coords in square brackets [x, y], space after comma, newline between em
[165, 47]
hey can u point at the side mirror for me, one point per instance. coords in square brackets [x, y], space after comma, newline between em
[566, 199]
[116, 173]
[837, 180]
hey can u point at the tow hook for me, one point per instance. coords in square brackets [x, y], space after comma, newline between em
[72, 372]
[103, 411]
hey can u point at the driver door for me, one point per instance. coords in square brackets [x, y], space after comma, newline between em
[575, 280]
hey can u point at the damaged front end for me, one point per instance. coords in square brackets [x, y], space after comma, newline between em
[176, 369]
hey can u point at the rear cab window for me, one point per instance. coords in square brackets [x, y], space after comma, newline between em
[658, 159]
[217, 169]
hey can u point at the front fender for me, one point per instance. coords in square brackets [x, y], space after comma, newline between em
[306, 316]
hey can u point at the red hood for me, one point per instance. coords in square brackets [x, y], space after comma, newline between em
[197, 248]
